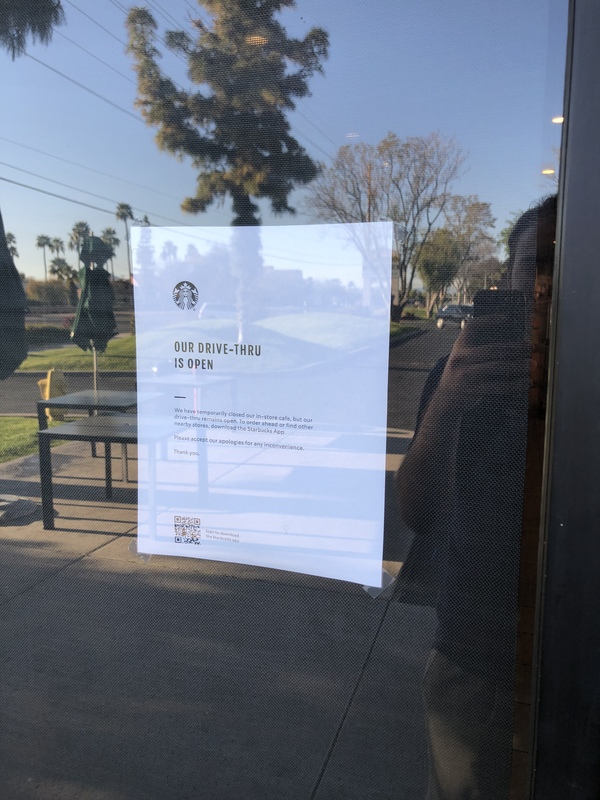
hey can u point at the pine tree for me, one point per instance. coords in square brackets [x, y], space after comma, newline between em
[234, 127]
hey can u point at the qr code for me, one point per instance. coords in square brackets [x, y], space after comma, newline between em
[187, 530]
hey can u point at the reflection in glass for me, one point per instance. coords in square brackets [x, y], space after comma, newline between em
[461, 490]
[433, 116]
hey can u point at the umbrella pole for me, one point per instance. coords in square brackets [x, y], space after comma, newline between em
[95, 356]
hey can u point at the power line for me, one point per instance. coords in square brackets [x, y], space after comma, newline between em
[134, 116]
[182, 232]
[314, 144]
[106, 64]
[72, 200]
[316, 127]
[86, 88]
[110, 33]
[83, 191]
[60, 196]
[82, 203]
[106, 30]
[90, 169]
[58, 183]
[118, 5]
[164, 14]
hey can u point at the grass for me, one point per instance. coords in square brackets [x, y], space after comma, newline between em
[324, 332]
[18, 437]
[399, 329]
[119, 356]
[419, 312]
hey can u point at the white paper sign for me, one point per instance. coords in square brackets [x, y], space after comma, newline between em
[262, 358]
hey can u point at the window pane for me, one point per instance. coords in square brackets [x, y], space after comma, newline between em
[132, 675]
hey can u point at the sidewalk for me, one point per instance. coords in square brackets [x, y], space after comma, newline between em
[124, 678]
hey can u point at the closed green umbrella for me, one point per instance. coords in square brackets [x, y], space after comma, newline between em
[94, 323]
[13, 339]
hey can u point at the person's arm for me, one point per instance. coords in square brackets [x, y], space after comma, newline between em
[426, 477]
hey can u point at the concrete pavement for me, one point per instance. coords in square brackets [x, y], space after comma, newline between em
[123, 678]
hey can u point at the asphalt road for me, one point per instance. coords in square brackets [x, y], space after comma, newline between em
[34, 317]
[409, 365]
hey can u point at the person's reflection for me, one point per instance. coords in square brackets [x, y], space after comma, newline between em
[461, 484]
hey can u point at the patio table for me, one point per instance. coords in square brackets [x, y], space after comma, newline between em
[104, 400]
[119, 428]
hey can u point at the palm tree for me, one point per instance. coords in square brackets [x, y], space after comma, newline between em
[43, 242]
[22, 21]
[11, 241]
[62, 269]
[56, 246]
[125, 212]
[79, 231]
[109, 235]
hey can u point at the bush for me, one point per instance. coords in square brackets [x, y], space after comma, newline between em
[43, 335]
[48, 293]
[123, 294]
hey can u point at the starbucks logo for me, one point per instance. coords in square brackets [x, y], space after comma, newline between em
[185, 295]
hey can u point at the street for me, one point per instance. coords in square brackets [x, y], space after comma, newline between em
[410, 363]
[409, 366]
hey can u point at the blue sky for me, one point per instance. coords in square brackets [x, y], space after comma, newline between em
[488, 74]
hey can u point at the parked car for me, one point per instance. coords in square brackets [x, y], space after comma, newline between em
[456, 314]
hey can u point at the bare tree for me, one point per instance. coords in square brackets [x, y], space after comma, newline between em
[407, 181]
[470, 221]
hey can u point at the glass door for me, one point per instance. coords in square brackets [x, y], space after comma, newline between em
[217, 150]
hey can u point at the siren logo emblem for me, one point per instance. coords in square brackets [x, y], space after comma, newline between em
[185, 295]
